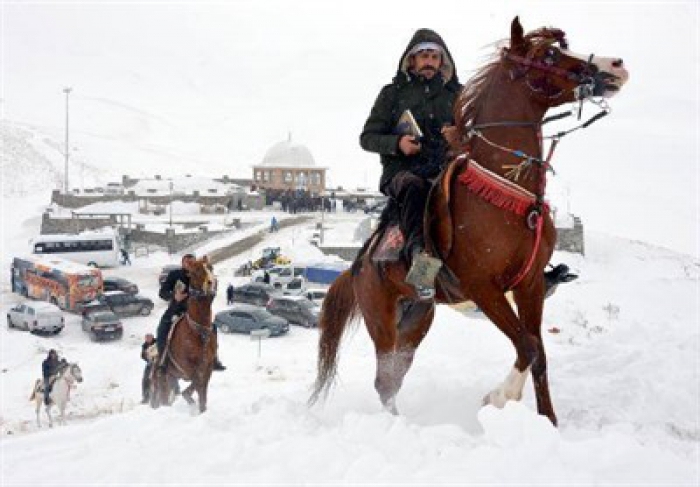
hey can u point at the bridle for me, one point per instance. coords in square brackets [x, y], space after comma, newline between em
[588, 83]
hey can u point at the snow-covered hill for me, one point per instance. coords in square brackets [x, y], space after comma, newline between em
[623, 371]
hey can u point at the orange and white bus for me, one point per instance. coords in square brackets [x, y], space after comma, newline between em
[63, 283]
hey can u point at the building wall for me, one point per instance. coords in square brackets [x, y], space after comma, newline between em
[283, 178]
[251, 201]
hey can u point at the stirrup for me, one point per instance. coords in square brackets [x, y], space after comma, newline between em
[425, 293]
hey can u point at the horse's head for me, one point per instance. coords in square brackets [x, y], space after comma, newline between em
[202, 280]
[75, 372]
[555, 74]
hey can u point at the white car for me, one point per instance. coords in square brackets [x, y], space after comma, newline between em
[316, 295]
[36, 317]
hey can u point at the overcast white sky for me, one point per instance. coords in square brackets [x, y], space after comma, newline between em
[221, 82]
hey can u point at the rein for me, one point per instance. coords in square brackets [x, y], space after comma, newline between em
[583, 92]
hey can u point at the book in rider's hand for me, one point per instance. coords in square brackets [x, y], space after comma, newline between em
[407, 125]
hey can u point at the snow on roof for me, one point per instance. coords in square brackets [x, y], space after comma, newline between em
[62, 265]
[182, 184]
[43, 306]
[288, 154]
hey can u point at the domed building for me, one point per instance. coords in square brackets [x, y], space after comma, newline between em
[288, 165]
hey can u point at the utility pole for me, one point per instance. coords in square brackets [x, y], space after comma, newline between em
[171, 204]
[66, 186]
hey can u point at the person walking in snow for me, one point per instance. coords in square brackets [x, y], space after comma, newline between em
[149, 341]
[229, 294]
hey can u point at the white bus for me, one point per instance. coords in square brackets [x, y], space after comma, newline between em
[98, 249]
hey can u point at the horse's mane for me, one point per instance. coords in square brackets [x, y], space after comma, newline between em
[471, 99]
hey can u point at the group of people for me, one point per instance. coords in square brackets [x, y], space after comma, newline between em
[426, 85]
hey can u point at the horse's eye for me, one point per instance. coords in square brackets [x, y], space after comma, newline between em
[551, 56]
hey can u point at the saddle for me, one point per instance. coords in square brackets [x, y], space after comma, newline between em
[388, 243]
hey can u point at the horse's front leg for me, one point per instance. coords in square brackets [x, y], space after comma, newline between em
[62, 418]
[187, 393]
[202, 389]
[497, 308]
[530, 302]
[38, 414]
[48, 413]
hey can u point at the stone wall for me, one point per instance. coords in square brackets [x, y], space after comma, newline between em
[346, 252]
[571, 239]
[52, 226]
[171, 241]
[248, 201]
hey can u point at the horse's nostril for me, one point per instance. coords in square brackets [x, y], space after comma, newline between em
[617, 63]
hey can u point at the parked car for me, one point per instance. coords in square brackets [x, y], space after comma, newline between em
[316, 295]
[256, 293]
[119, 284]
[102, 325]
[296, 309]
[36, 317]
[244, 318]
[165, 271]
[120, 303]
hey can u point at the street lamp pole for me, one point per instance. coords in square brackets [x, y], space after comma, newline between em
[66, 186]
[171, 204]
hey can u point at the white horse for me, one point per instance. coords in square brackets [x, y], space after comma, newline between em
[60, 392]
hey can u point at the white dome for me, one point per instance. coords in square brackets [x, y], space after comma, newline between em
[288, 154]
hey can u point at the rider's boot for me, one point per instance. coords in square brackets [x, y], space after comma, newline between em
[558, 275]
[424, 269]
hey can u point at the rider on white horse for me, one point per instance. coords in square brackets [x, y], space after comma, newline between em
[49, 369]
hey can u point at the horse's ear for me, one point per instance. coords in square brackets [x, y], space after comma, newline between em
[205, 259]
[516, 33]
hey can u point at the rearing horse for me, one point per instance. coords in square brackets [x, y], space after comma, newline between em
[487, 221]
[191, 348]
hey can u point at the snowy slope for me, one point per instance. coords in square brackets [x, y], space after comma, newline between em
[623, 371]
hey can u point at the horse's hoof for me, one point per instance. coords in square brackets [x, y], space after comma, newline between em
[390, 407]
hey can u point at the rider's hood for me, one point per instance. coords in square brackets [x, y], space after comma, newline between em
[447, 70]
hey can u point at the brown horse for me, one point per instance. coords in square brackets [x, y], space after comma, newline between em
[192, 346]
[492, 234]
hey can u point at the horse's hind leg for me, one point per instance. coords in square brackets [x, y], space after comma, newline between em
[530, 304]
[415, 322]
[395, 344]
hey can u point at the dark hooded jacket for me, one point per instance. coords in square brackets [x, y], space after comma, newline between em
[430, 102]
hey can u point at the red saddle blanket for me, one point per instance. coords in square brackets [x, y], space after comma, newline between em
[390, 245]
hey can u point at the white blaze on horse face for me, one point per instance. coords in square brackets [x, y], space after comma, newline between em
[209, 280]
[610, 65]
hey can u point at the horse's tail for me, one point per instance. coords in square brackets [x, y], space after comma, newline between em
[339, 309]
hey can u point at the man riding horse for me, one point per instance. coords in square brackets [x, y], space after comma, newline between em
[425, 85]
[49, 368]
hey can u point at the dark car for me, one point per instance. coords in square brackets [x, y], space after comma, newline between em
[165, 271]
[244, 318]
[103, 325]
[257, 293]
[121, 304]
[298, 310]
[120, 284]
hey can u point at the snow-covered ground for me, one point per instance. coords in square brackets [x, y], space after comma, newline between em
[623, 371]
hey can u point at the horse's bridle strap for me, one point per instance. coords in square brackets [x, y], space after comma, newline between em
[530, 63]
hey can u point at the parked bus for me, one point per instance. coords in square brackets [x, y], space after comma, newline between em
[66, 284]
[97, 249]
